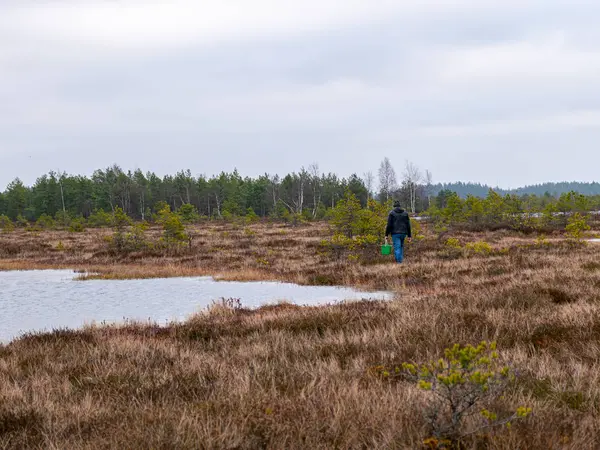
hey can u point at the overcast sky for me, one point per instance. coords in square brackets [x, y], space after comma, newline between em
[502, 92]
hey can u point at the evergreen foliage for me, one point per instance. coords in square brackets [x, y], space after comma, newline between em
[466, 382]
[296, 197]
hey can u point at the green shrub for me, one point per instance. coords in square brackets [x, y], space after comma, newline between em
[45, 222]
[120, 220]
[452, 249]
[294, 219]
[542, 241]
[173, 228]
[160, 206]
[307, 215]
[453, 243]
[62, 219]
[188, 213]
[417, 229]
[350, 219]
[251, 216]
[577, 225]
[22, 221]
[466, 382]
[134, 240]
[6, 225]
[123, 239]
[99, 218]
[345, 215]
[77, 225]
[480, 248]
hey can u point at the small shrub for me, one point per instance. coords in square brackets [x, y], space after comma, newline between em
[462, 384]
[22, 221]
[100, 218]
[294, 219]
[120, 220]
[6, 225]
[62, 218]
[188, 213]
[577, 225]
[134, 240]
[174, 230]
[251, 216]
[452, 249]
[127, 237]
[417, 229]
[137, 236]
[174, 233]
[60, 246]
[77, 225]
[480, 248]
[453, 243]
[45, 222]
[541, 241]
[350, 219]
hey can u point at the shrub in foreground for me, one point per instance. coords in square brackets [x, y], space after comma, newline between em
[462, 385]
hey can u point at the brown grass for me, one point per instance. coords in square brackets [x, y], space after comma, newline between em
[238, 253]
[290, 377]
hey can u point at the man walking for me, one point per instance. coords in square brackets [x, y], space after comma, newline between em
[399, 227]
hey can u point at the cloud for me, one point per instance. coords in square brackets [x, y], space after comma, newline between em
[542, 59]
[143, 24]
[272, 85]
[548, 124]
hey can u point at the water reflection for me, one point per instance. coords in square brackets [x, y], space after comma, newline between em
[44, 300]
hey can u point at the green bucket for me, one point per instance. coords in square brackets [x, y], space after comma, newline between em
[386, 249]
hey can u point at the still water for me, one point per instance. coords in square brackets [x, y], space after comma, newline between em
[51, 299]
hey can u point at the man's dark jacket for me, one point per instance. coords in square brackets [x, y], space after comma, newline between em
[398, 223]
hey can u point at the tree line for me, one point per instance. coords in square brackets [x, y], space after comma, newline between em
[545, 189]
[306, 194]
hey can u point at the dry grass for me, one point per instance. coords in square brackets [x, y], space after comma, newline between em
[290, 377]
[233, 252]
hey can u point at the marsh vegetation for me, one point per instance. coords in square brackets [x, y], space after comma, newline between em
[306, 377]
[337, 376]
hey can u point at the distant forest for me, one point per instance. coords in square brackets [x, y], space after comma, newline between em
[554, 189]
[307, 193]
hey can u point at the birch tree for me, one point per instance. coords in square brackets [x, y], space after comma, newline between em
[273, 189]
[411, 178]
[61, 177]
[369, 181]
[387, 179]
[315, 181]
[428, 186]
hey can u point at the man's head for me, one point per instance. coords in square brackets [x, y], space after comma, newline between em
[396, 203]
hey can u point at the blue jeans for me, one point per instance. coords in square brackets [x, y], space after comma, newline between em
[398, 240]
